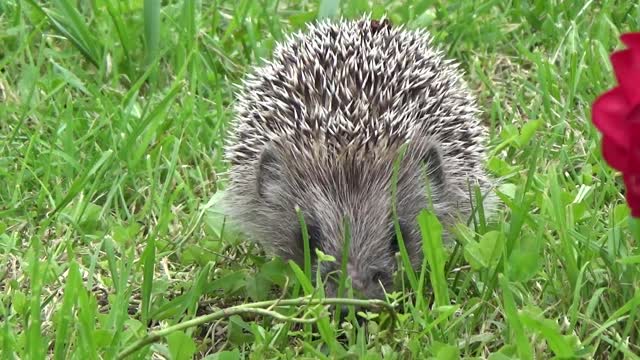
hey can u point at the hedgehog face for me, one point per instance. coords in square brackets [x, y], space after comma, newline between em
[356, 187]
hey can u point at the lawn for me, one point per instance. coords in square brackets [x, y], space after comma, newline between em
[112, 123]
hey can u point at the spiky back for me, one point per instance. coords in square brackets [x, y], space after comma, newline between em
[361, 84]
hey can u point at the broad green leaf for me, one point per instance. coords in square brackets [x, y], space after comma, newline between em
[226, 355]
[634, 227]
[181, 346]
[487, 252]
[228, 283]
[562, 346]
[239, 332]
[525, 258]
[443, 351]
[528, 130]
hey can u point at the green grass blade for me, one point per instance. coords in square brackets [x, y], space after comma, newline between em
[327, 332]
[112, 263]
[190, 24]
[34, 327]
[304, 280]
[513, 319]
[120, 27]
[138, 140]
[305, 244]
[120, 306]
[617, 316]
[80, 28]
[575, 304]
[86, 325]
[151, 29]
[149, 261]
[71, 25]
[404, 255]
[558, 211]
[80, 183]
[343, 262]
[434, 252]
[198, 289]
[8, 340]
[65, 314]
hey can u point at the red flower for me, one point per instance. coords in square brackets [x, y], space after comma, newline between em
[616, 114]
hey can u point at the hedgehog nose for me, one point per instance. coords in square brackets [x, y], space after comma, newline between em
[358, 282]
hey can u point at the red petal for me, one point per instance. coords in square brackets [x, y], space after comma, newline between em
[616, 156]
[609, 114]
[632, 174]
[632, 183]
[627, 68]
[633, 120]
[632, 40]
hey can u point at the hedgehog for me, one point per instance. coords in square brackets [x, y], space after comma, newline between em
[320, 128]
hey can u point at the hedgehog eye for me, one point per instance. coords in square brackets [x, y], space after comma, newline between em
[377, 276]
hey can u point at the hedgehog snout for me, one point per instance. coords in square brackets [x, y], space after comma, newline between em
[359, 280]
[364, 282]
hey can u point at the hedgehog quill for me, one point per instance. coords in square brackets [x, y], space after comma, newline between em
[319, 126]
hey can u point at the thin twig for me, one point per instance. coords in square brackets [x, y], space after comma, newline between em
[258, 308]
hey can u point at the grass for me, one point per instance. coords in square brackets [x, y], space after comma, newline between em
[113, 115]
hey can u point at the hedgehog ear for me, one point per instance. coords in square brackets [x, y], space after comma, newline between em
[269, 172]
[432, 160]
